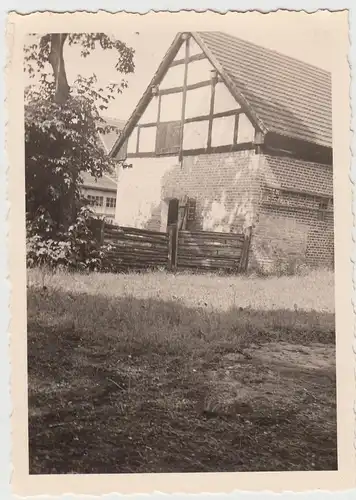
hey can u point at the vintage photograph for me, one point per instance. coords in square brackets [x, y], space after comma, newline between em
[180, 256]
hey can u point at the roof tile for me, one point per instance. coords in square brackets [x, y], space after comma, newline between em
[290, 97]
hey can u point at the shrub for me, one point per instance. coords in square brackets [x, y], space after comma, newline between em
[76, 249]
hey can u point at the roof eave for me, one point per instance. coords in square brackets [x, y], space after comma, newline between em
[99, 188]
[298, 139]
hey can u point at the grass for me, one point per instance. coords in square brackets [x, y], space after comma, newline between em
[185, 373]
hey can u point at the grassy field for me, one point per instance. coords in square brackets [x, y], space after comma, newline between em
[186, 373]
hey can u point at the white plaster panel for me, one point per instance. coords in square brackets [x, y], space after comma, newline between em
[171, 107]
[180, 53]
[195, 135]
[147, 139]
[223, 131]
[173, 78]
[224, 100]
[194, 48]
[199, 71]
[151, 112]
[198, 102]
[139, 190]
[245, 131]
[132, 141]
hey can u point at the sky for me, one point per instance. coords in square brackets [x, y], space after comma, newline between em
[308, 37]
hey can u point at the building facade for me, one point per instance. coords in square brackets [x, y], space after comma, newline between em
[227, 136]
[101, 193]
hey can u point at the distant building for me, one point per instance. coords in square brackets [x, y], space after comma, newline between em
[237, 136]
[101, 193]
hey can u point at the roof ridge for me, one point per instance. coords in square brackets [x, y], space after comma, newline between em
[112, 119]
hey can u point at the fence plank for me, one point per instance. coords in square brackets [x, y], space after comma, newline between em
[139, 246]
[120, 233]
[213, 250]
[246, 250]
[170, 248]
[211, 264]
[138, 256]
[212, 235]
[206, 240]
[135, 230]
[210, 241]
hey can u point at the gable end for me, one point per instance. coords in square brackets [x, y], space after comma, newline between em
[178, 89]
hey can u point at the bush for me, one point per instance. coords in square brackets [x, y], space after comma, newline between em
[77, 249]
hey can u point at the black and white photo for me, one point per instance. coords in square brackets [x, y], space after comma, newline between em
[180, 209]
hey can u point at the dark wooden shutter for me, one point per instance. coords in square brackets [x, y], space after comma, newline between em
[168, 137]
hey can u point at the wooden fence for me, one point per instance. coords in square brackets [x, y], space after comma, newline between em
[133, 248]
[212, 250]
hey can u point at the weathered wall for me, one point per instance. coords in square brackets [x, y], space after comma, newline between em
[283, 237]
[287, 172]
[139, 191]
[226, 187]
[293, 227]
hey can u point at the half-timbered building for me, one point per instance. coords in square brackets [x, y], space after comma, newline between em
[230, 135]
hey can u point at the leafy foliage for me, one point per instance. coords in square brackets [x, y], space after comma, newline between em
[76, 249]
[61, 142]
[37, 58]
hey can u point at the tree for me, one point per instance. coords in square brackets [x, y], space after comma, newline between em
[62, 123]
[49, 49]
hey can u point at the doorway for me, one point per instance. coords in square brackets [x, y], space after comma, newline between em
[173, 212]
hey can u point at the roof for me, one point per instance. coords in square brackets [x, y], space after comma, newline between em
[110, 138]
[280, 94]
[290, 97]
[105, 182]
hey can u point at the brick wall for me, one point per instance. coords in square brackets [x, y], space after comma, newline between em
[229, 192]
[292, 173]
[226, 187]
[292, 226]
[284, 235]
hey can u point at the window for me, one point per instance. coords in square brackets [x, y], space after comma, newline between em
[324, 205]
[111, 202]
[168, 137]
[95, 201]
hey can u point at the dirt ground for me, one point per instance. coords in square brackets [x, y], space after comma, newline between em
[120, 384]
